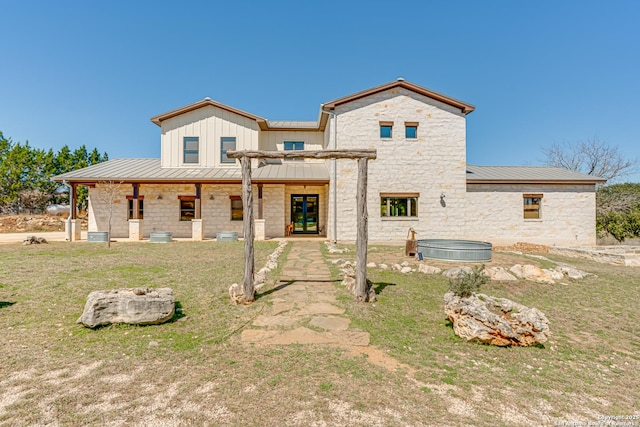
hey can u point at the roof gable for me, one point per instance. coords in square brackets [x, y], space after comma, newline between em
[200, 104]
[463, 106]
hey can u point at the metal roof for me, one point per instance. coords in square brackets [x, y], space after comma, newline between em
[150, 170]
[528, 174]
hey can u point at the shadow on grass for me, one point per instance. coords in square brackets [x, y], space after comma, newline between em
[178, 314]
[379, 286]
[4, 304]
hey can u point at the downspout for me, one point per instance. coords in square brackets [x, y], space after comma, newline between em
[67, 229]
[335, 175]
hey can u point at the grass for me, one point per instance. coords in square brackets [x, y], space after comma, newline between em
[194, 370]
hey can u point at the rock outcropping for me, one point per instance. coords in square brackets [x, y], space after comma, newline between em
[496, 321]
[137, 306]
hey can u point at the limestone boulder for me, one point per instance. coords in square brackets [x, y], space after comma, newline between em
[137, 306]
[531, 272]
[428, 269]
[496, 321]
[454, 273]
[498, 273]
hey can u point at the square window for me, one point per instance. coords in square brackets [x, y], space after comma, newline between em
[385, 131]
[531, 204]
[236, 208]
[227, 143]
[191, 149]
[411, 131]
[293, 146]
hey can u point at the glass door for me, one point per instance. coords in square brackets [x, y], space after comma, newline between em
[304, 213]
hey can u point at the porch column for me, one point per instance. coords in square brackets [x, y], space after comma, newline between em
[197, 229]
[135, 223]
[74, 229]
[261, 232]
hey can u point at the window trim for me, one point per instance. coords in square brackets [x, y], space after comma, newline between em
[130, 207]
[410, 125]
[235, 199]
[284, 147]
[180, 212]
[386, 124]
[223, 151]
[410, 203]
[533, 208]
[185, 151]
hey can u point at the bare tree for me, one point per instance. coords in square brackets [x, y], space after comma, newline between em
[108, 193]
[592, 157]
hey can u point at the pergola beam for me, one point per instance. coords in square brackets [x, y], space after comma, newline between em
[302, 154]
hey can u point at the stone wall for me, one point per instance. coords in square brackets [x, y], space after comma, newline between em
[432, 164]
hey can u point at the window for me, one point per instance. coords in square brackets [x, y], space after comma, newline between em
[532, 205]
[227, 143]
[191, 149]
[293, 146]
[236, 208]
[399, 205]
[140, 207]
[187, 207]
[385, 129]
[411, 130]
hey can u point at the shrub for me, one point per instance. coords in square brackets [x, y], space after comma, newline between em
[466, 284]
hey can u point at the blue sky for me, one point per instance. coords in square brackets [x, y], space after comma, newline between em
[93, 73]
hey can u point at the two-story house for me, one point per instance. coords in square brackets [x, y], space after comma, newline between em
[420, 178]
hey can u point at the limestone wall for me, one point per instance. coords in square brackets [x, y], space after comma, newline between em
[432, 164]
[495, 214]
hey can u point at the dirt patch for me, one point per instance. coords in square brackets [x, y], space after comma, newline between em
[26, 223]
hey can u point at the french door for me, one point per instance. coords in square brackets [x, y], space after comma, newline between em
[304, 213]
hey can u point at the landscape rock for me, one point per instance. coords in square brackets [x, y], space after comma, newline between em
[33, 240]
[383, 266]
[572, 272]
[405, 264]
[396, 267]
[371, 265]
[428, 269]
[138, 306]
[454, 273]
[531, 272]
[496, 321]
[498, 273]
[406, 270]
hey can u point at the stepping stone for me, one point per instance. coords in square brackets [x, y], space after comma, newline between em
[300, 335]
[256, 335]
[320, 308]
[330, 323]
[351, 338]
[280, 307]
[271, 321]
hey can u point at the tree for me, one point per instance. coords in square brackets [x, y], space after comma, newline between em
[108, 192]
[592, 157]
[618, 211]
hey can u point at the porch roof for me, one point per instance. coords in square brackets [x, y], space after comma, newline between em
[150, 171]
[528, 175]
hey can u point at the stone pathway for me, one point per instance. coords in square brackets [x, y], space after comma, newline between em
[304, 309]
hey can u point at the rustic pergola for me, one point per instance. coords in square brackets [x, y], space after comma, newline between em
[362, 155]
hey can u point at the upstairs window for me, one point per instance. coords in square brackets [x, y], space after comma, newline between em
[191, 150]
[293, 146]
[399, 204]
[532, 204]
[236, 208]
[187, 207]
[386, 129]
[227, 143]
[411, 130]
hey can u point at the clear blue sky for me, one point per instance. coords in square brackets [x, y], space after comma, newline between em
[89, 72]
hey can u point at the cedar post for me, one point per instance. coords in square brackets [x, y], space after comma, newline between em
[260, 213]
[248, 229]
[135, 202]
[362, 236]
[73, 200]
[198, 202]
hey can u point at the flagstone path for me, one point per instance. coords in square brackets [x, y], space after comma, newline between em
[304, 309]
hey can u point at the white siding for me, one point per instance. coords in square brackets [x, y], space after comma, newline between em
[274, 140]
[209, 124]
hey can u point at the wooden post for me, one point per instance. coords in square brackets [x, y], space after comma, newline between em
[198, 202]
[248, 228]
[260, 213]
[73, 200]
[135, 202]
[363, 227]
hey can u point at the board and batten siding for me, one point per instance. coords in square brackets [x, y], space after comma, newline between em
[274, 140]
[208, 123]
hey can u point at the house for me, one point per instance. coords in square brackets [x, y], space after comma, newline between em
[420, 178]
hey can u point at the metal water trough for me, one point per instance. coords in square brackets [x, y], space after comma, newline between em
[226, 236]
[98, 236]
[160, 237]
[455, 250]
